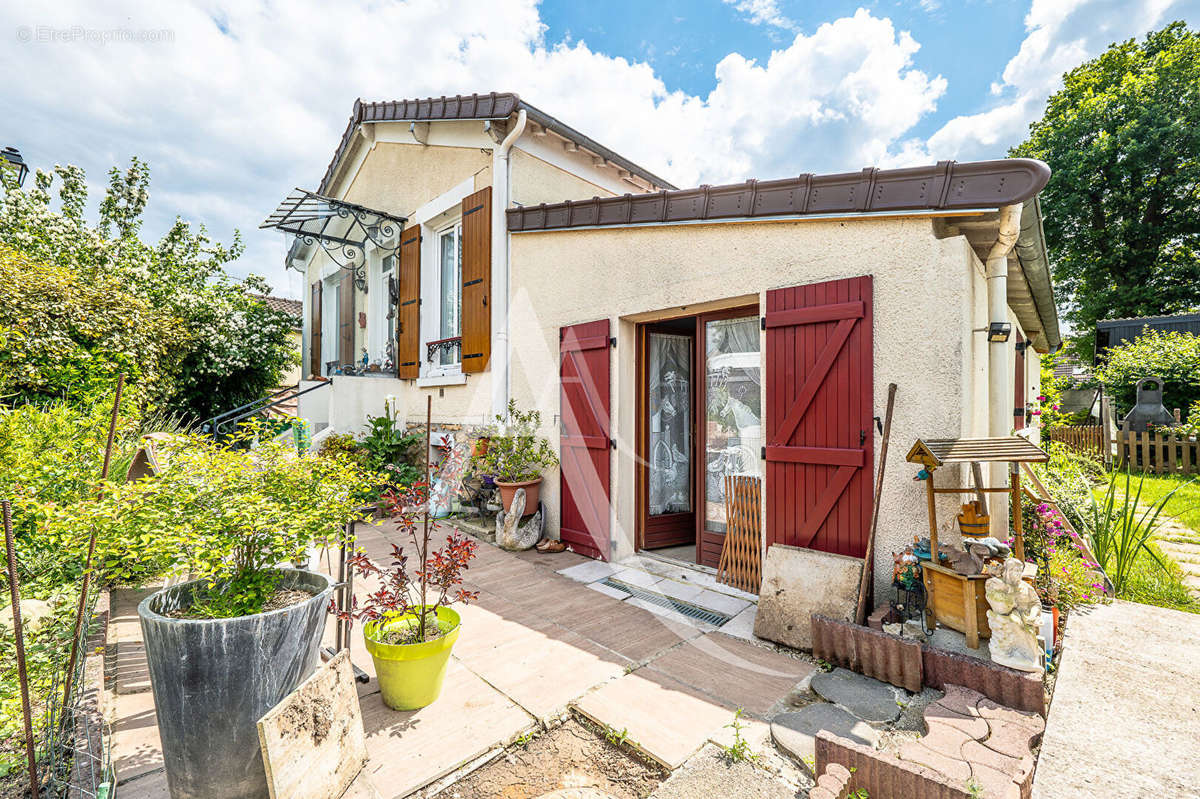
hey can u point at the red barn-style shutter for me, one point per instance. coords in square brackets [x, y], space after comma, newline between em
[585, 438]
[314, 330]
[408, 311]
[1019, 383]
[476, 280]
[820, 442]
[346, 319]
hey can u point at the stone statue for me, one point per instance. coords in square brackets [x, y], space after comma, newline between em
[1015, 618]
[511, 534]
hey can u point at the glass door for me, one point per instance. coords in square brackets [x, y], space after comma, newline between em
[669, 520]
[732, 421]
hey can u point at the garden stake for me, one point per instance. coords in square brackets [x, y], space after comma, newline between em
[14, 588]
[864, 585]
[428, 499]
[87, 566]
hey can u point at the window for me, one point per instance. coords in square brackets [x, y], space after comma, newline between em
[449, 293]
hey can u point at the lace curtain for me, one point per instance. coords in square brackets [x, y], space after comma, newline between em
[670, 423]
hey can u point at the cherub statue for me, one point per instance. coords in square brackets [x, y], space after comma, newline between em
[1015, 618]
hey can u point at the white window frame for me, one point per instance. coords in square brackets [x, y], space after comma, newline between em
[330, 310]
[377, 302]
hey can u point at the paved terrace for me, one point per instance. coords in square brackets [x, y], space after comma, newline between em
[535, 644]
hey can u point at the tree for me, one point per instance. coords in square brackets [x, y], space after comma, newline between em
[215, 346]
[1172, 356]
[1122, 222]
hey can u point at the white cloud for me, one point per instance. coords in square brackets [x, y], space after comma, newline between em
[249, 100]
[764, 12]
[1060, 35]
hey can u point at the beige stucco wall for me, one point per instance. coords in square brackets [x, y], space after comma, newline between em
[535, 181]
[927, 300]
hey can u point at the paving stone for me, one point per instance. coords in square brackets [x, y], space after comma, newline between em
[1010, 740]
[589, 572]
[960, 701]
[973, 726]
[796, 732]
[993, 712]
[609, 591]
[741, 625]
[721, 603]
[946, 740]
[866, 698]
[662, 717]
[994, 783]
[976, 753]
[953, 768]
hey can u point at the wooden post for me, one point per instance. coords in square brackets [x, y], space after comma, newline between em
[1015, 509]
[933, 542]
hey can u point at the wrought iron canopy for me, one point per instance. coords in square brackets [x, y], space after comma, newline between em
[342, 229]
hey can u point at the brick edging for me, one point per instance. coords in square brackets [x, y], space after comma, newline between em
[912, 665]
[881, 774]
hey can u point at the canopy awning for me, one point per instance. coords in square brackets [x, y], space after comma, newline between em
[342, 229]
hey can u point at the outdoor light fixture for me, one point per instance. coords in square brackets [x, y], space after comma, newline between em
[13, 156]
[999, 331]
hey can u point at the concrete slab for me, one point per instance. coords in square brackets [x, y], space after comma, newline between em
[148, 786]
[662, 718]
[614, 593]
[589, 572]
[796, 732]
[865, 697]
[709, 775]
[721, 603]
[408, 750]
[542, 670]
[638, 578]
[734, 672]
[1124, 716]
[672, 618]
[798, 583]
[136, 747]
[742, 625]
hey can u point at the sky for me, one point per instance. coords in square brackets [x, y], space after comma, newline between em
[235, 103]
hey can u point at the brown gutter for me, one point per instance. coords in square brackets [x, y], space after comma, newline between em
[946, 186]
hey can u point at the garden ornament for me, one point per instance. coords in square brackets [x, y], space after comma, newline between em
[510, 533]
[1015, 618]
[1149, 409]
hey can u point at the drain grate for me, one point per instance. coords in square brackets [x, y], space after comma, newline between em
[684, 608]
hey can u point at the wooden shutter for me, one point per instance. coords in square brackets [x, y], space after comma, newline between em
[585, 438]
[408, 312]
[820, 443]
[477, 280]
[314, 331]
[346, 318]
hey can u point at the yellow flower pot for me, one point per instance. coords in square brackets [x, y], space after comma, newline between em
[411, 675]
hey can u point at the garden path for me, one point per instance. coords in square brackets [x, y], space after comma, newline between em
[1123, 718]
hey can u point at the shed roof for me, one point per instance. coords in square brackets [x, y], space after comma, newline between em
[491, 106]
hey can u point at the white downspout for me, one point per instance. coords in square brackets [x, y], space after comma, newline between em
[1000, 389]
[500, 268]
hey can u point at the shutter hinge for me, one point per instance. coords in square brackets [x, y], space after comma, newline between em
[612, 342]
[764, 453]
[762, 323]
[612, 442]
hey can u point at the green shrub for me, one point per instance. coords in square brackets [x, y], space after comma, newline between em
[518, 454]
[1172, 356]
[1120, 531]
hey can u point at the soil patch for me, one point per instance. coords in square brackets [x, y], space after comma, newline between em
[279, 599]
[573, 755]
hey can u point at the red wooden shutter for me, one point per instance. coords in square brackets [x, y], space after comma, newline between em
[585, 437]
[408, 314]
[1019, 384]
[477, 280]
[346, 319]
[820, 443]
[314, 331]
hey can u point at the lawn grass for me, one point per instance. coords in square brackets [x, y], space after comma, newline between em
[1148, 583]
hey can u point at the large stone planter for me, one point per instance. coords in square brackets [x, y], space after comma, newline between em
[214, 678]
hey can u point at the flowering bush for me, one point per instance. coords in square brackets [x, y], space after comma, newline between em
[98, 301]
[437, 581]
[1066, 577]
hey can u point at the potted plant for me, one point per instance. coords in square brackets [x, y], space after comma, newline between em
[517, 456]
[228, 645]
[410, 627]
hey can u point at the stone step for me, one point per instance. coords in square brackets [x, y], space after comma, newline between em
[795, 732]
[864, 697]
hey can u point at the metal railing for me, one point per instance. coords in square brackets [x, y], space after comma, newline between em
[220, 426]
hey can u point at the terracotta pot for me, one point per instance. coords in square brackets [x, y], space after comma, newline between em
[479, 447]
[532, 490]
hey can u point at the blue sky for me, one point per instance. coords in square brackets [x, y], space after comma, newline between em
[234, 103]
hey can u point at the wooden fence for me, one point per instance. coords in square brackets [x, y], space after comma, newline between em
[1159, 452]
[1084, 439]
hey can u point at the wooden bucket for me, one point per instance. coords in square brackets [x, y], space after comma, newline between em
[972, 522]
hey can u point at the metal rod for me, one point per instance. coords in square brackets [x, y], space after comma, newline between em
[864, 587]
[428, 499]
[91, 553]
[14, 588]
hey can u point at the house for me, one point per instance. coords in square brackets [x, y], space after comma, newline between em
[671, 337]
